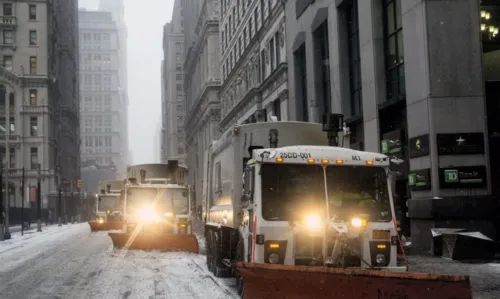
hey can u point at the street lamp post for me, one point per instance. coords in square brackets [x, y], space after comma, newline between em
[1, 202]
[59, 209]
[39, 199]
[22, 205]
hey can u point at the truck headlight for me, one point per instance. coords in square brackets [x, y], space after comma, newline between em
[358, 222]
[312, 221]
[148, 214]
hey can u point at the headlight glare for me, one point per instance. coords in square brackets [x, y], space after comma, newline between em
[148, 214]
[358, 222]
[312, 221]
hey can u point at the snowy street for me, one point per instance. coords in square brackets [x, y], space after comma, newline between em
[70, 262]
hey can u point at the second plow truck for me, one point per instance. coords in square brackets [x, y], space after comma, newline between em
[157, 209]
[109, 206]
[292, 214]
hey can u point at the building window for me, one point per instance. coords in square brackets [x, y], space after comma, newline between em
[12, 124]
[255, 19]
[12, 157]
[301, 83]
[178, 77]
[33, 38]
[278, 48]
[322, 63]
[33, 126]
[7, 63]
[271, 55]
[394, 52]
[34, 158]
[8, 37]
[3, 129]
[180, 151]
[33, 97]
[354, 59]
[3, 94]
[263, 64]
[12, 101]
[32, 12]
[7, 9]
[178, 87]
[277, 109]
[33, 65]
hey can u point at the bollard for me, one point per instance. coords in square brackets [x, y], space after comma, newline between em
[59, 221]
[72, 219]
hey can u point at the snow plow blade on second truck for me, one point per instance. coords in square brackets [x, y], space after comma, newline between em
[153, 241]
[110, 225]
[294, 282]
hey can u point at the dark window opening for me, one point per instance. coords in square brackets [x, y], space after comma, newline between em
[301, 83]
[394, 52]
[356, 99]
[322, 62]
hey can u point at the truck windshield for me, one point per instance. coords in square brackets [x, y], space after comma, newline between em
[354, 190]
[288, 190]
[164, 200]
[107, 203]
[291, 191]
[179, 198]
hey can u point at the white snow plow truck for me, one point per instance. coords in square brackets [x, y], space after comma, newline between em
[109, 206]
[293, 214]
[157, 209]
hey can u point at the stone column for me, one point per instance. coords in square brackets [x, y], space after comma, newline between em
[449, 173]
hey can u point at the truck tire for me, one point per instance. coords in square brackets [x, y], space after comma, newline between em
[240, 252]
[209, 250]
[219, 269]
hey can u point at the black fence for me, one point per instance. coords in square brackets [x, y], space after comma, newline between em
[72, 205]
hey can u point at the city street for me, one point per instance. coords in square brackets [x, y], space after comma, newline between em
[70, 262]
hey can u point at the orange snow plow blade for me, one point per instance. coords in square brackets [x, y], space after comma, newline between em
[111, 225]
[151, 241]
[294, 282]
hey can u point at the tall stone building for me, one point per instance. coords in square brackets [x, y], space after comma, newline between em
[38, 97]
[202, 82]
[254, 68]
[173, 98]
[103, 93]
[417, 80]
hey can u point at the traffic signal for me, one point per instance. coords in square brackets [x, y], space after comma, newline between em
[79, 184]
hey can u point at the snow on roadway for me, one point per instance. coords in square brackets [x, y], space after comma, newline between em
[71, 262]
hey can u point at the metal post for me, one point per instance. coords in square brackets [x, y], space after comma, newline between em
[1, 201]
[59, 210]
[22, 204]
[7, 158]
[39, 199]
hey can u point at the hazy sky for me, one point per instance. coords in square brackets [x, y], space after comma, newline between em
[145, 20]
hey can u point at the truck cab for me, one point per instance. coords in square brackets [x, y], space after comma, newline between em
[304, 205]
[109, 203]
[159, 203]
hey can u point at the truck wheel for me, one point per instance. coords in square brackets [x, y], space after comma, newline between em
[209, 250]
[240, 252]
[220, 270]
